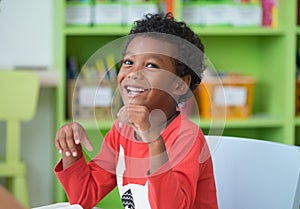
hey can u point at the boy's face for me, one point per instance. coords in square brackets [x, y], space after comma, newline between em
[147, 75]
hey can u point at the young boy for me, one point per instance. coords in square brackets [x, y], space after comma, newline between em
[155, 155]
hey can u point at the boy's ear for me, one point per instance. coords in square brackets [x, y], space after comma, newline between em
[183, 85]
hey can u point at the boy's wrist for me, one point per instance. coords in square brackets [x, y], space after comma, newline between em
[69, 160]
[150, 135]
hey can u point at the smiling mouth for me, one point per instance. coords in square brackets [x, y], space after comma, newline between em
[134, 91]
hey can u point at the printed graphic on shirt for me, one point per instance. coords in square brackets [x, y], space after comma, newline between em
[136, 194]
[127, 200]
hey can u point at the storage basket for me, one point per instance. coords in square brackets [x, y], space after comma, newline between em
[228, 97]
[78, 12]
[88, 100]
[298, 96]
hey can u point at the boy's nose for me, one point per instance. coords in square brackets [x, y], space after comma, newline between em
[136, 75]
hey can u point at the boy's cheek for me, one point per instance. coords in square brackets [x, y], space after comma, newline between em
[124, 97]
[119, 78]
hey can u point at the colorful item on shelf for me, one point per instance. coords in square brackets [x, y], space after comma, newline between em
[228, 96]
[270, 11]
[90, 94]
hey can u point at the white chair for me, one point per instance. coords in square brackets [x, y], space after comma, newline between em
[255, 174]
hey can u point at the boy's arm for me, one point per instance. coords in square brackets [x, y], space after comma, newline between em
[68, 160]
[87, 183]
[174, 185]
[68, 141]
[157, 154]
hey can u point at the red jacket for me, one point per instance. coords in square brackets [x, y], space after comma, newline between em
[185, 182]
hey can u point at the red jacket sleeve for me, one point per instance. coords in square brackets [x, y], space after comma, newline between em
[183, 185]
[87, 183]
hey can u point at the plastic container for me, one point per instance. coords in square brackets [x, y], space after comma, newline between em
[78, 12]
[226, 97]
[87, 100]
[104, 9]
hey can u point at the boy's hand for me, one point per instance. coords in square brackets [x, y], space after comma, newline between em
[68, 141]
[147, 125]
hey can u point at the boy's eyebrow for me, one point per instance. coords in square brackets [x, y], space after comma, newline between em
[153, 55]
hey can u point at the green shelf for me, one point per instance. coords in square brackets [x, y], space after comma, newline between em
[255, 121]
[298, 30]
[97, 30]
[297, 121]
[237, 31]
[201, 30]
[91, 125]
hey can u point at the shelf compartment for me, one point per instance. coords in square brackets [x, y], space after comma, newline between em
[97, 30]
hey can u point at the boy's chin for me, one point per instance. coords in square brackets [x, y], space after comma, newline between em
[132, 100]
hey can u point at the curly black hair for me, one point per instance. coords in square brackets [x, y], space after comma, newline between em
[190, 57]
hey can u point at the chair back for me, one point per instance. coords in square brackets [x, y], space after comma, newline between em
[255, 174]
[18, 94]
[18, 99]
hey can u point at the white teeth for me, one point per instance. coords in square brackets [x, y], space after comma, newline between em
[134, 90]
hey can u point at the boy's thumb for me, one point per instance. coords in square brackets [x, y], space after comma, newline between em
[86, 142]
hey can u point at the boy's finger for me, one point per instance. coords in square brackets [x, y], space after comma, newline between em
[122, 116]
[76, 133]
[81, 137]
[121, 111]
[61, 138]
[68, 133]
[70, 142]
[86, 142]
[57, 144]
[63, 144]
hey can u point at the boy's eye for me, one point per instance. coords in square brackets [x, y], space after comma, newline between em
[127, 62]
[151, 65]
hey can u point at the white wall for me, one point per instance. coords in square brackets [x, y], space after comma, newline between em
[37, 148]
[25, 32]
[26, 39]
